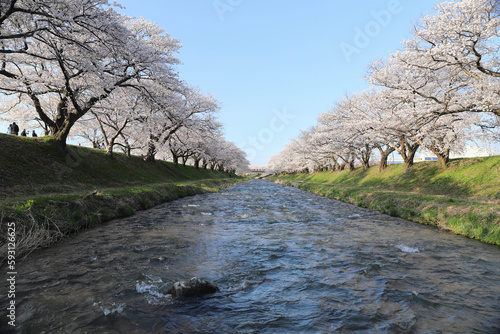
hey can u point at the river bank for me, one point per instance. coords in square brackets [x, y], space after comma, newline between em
[48, 194]
[463, 199]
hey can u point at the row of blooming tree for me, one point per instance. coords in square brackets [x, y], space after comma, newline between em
[439, 92]
[80, 67]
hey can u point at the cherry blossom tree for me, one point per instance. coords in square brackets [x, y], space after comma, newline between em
[369, 112]
[436, 101]
[289, 160]
[232, 159]
[462, 36]
[112, 115]
[350, 129]
[166, 111]
[80, 57]
[190, 141]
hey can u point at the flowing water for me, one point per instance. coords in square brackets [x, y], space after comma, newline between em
[286, 261]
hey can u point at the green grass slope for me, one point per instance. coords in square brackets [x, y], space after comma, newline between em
[49, 193]
[37, 166]
[464, 198]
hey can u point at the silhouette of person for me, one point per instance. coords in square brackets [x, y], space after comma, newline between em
[34, 134]
[15, 128]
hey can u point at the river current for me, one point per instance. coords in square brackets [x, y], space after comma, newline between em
[286, 261]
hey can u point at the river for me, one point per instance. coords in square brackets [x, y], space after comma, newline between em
[286, 261]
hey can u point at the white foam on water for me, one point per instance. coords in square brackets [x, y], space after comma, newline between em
[407, 249]
[153, 300]
[206, 213]
[112, 308]
[151, 289]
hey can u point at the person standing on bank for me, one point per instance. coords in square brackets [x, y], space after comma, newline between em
[23, 134]
[33, 134]
[15, 129]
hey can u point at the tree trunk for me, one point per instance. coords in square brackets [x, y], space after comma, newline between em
[109, 149]
[129, 150]
[365, 160]
[443, 160]
[46, 130]
[150, 155]
[335, 163]
[407, 152]
[365, 157]
[60, 137]
[384, 156]
[365, 164]
[351, 165]
[64, 121]
[410, 157]
[443, 157]
[383, 162]
[111, 143]
[336, 166]
[149, 158]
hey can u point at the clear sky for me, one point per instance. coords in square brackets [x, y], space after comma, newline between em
[276, 65]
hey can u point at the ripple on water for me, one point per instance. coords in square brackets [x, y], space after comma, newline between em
[286, 261]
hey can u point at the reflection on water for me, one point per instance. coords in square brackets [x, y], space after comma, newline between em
[286, 261]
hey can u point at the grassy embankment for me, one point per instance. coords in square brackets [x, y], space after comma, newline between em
[464, 198]
[50, 193]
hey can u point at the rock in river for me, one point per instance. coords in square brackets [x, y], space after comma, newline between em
[192, 287]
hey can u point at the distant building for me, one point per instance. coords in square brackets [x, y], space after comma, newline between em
[426, 155]
[474, 152]
[468, 152]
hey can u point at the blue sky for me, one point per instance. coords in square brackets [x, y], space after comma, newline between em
[276, 65]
